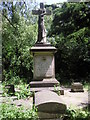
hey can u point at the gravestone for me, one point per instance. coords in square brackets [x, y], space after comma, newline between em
[77, 87]
[43, 57]
[50, 105]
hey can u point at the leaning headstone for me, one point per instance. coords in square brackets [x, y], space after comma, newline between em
[77, 87]
[49, 105]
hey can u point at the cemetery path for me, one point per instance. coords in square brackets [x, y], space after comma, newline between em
[75, 99]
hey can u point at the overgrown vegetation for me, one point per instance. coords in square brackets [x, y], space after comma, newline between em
[70, 32]
[22, 91]
[18, 35]
[76, 114]
[11, 112]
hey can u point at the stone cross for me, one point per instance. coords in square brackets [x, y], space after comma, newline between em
[41, 28]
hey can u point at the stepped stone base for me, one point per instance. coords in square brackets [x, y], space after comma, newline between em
[46, 84]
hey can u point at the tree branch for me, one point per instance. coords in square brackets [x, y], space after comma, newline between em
[9, 21]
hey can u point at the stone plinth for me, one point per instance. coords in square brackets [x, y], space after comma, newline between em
[77, 87]
[49, 104]
[44, 68]
[43, 58]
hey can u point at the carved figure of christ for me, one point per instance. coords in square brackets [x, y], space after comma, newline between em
[41, 28]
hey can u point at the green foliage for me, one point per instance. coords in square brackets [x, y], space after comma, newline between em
[76, 114]
[22, 91]
[18, 36]
[70, 33]
[57, 89]
[11, 112]
[70, 18]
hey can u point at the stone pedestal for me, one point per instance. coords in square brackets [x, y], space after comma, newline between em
[44, 68]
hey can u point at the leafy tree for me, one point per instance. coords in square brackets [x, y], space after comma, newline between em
[71, 31]
[18, 35]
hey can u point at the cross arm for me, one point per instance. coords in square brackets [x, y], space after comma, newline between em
[48, 12]
[35, 12]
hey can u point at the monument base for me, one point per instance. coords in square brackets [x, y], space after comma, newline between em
[38, 44]
[43, 84]
[46, 84]
[44, 69]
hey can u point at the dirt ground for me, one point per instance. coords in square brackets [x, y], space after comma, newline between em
[75, 99]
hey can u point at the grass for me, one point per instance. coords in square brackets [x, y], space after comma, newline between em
[87, 86]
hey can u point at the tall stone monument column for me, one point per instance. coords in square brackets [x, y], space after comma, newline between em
[43, 57]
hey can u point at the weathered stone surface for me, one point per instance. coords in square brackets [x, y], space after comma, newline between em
[42, 48]
[44, 83]
[49, 102]
[48, 116]
[58, 89]
[43, 66]
[43, 59]
[77, 87]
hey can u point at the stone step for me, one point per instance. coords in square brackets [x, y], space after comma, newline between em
[54, 89]
[44, 83]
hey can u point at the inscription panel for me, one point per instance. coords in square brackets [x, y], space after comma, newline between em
[43, 66]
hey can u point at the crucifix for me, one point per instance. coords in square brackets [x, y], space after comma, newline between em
[41, 28]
